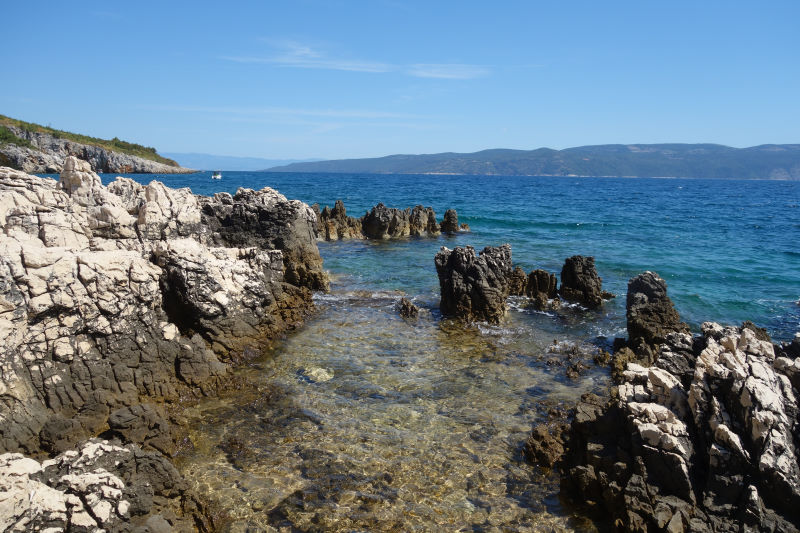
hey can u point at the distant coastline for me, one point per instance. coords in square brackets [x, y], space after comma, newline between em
[771, 162]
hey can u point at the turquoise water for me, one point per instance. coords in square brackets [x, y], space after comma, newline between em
[728, 249]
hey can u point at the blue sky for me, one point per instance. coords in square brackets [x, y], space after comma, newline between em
[336, 79]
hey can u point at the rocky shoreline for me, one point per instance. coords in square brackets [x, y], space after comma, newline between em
[699, 433]
[119, 303]
[122, 304]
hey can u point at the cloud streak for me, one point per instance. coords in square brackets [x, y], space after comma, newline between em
[286, 111]
[450, 71]
[297, 55]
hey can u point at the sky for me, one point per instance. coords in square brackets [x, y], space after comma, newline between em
[338, 79]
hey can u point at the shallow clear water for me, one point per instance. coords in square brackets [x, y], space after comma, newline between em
[365, 421]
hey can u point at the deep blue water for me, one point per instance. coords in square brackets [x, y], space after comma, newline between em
[728, 249]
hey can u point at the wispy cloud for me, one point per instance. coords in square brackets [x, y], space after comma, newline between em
[285, 111]
[451, 71]
[297, 55]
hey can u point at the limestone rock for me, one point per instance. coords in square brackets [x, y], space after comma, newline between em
[49, 153]
[91, 323]
[265, 219]
[101, 486]
[111, 296]
[474, 287]
[706, 439]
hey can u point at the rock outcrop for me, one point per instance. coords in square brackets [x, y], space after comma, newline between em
[580, 282]
[382, 223]
[335, 225]
[98, 487]
[517, 282]
[388, 223]
[49, 154]
[111, 296]
[474, 287]
[651, 314]
[450, 223]
[541, 289]
[704, 440]
[265, 219]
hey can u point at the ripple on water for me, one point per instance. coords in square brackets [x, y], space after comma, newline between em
[415, 426]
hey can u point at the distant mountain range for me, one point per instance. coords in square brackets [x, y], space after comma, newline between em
[769, 161]
[227, 162]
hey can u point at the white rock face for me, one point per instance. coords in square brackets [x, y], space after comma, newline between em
[84, 273]
[79, 490]
[112, 295]
[713, 430]
[49, 154]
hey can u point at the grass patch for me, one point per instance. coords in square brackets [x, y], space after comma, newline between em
[114, 145]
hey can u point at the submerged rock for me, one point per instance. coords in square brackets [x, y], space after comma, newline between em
[474, 287]
[705, 440]
[408, 309]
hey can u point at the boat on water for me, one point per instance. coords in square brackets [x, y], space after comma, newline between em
[217, 175]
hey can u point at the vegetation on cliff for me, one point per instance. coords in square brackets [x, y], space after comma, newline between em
[114, 145]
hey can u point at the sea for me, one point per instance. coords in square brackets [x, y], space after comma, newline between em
[364, 421]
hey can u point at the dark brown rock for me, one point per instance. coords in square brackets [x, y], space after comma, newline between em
[334, 224]
[383, 222]
[474, 287]
[541, 288]
[143, 425]
[517, 282]
[408, 309]
[651, 314]
[450, 222]
[580, 282]
[545, 445]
